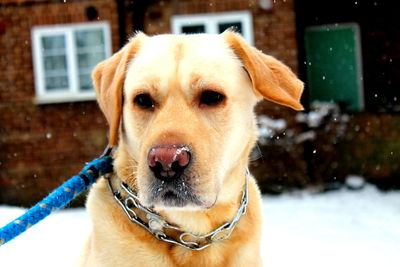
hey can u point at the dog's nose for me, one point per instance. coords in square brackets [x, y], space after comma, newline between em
[168, 162]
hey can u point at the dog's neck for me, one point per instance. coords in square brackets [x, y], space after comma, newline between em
[194, 221]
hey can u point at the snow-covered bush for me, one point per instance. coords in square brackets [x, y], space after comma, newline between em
[269, 128]
[303, 152]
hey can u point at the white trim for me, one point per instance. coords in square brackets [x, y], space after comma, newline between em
[72, 64]
[63, 98]
[211, 21]
[73, 92]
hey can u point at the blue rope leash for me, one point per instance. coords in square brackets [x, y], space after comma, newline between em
[58, 198]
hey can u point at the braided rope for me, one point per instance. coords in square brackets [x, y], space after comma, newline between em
[58, 198]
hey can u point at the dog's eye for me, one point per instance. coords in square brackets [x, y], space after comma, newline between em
[211, 98]
[144, 101]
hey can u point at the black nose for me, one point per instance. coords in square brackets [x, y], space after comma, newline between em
[169, 161]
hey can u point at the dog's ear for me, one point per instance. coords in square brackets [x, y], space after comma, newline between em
[270, 78]
[108, 79]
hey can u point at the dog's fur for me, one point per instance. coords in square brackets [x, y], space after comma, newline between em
[174, 70]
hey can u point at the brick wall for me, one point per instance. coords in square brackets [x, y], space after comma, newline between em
[372, 148]
[42, 145]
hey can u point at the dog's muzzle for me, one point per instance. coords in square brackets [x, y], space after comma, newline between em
[170, 184]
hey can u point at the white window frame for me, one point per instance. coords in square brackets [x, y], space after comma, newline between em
[211, 21]
[73, 94]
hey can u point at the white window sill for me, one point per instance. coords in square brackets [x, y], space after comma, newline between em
[63, 99]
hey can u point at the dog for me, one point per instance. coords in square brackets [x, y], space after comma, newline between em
[182, 125]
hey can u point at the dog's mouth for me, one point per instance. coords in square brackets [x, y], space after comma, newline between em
[174, 194]
[170, 198]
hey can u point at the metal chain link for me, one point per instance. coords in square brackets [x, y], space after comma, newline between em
[156, 223]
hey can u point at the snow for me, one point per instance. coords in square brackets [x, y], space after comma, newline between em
[57, 239]
[320, 110]
[354, 181]
[268, 128]
[341, 228]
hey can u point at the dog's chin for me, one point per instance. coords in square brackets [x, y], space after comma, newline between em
[169, 199]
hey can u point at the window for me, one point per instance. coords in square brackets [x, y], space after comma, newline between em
[241, 21]
[64, 56]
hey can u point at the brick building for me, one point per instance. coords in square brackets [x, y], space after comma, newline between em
[51, 125]
[43, 142]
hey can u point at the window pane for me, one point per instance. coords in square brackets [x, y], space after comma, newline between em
[56, 83]
[90, 46]
[194, 29]
[88, 60]
[87, 38]
[237, 26]
[85, 82]
[53, 42]
[55, 63]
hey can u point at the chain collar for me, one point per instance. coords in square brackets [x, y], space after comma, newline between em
[157, 224]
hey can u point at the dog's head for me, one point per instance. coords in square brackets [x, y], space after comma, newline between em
[181, 110]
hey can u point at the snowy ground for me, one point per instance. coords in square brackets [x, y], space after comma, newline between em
[343, 228]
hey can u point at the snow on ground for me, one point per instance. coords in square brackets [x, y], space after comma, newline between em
[342, 228]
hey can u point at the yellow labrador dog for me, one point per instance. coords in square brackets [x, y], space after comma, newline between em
[180, 108]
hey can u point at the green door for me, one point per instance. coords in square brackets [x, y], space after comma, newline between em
[333, 55]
